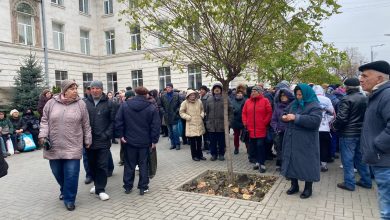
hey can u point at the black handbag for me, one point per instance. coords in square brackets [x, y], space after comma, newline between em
[244, 137]
[3, 166]
[152, 163]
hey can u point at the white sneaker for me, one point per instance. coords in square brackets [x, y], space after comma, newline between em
[103, 196]
[92, 190]
[354, 170]
[136, 168]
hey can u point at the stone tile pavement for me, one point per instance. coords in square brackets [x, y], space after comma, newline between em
[30, 192]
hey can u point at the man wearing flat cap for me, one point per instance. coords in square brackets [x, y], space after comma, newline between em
[348, 124]
[375, 138]
[101, 116]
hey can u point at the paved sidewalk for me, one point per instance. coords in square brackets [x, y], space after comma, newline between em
[30, 192]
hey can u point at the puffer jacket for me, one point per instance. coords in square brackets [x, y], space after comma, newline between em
[214, 114]
[67, 127]
[256, 115]
[328, 111]
[6, 126]
[193, 113]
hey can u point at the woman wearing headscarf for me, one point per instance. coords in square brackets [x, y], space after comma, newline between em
[301, 147]
[191, 110]
[64, 129]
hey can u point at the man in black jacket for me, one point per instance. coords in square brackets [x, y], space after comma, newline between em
[348, 124]
[101, 116]
[138, 125]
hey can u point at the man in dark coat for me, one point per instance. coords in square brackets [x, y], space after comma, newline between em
[375, 138]
[101, 117]
[138, 125]
[170, 105]
[348, 124]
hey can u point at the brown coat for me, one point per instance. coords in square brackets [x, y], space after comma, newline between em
[67, 127]
[193, 113]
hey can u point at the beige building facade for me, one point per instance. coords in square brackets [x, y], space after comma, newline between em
[85, 41]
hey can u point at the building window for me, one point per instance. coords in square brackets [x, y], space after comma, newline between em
[25, 24]
[58, 2]
[194, 77]
[60, 76]
[58, 36]
[87, 79]
[136, 76]
[161, 38]
[84, 41]
[194, 33]
[164, 74]
[108, 9]
[112, 84]
[110, 42]
[133, 4]
[135, 36]
[84, 6]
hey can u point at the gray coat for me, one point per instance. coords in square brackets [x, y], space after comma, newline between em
[375, 137]
[301, 146]
[214, 114]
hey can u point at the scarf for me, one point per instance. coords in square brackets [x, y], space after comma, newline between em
[308, 96]
[66, 101]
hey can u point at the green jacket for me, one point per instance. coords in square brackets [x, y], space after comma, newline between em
[6, 126]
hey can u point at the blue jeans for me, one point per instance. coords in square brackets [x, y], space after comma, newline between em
[382, 178]
[350, 156]
[66, 173]
[173, 135]
[258, 149]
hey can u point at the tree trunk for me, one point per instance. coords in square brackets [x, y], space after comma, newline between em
[228, 152]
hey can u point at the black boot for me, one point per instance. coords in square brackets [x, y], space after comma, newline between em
[294, 187]
[307, 191]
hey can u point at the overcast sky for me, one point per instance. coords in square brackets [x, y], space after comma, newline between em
[362, 24]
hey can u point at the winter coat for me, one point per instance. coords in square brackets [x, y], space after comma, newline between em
[350, 114]
[138, 122]
[67, 127]
[170, 108]
[327, 109]
[41, 104]
[6, 126]
[32, 123]
[193, 113]
[256, 115]
[375, 137]
[301, 147]
[237, 105]
[279, 108]
[18, 123]
[101, 119]
[214, 114]
[3, 166]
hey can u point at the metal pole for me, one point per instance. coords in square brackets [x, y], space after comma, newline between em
[45, 42]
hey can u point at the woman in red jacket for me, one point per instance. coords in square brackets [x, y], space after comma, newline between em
[256, 115]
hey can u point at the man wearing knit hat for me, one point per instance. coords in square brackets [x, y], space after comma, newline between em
[375, 136]
[170, 105]
[101, 116]
[348, 124]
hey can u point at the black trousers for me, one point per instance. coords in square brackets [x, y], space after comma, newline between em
[325, 141]
[98, 166]
[196, 146]
[278, 143]
[132, 157]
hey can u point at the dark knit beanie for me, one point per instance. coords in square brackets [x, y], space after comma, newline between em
[97, 84]
[352, 82]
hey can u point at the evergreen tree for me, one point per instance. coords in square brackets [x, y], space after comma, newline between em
[28, 84]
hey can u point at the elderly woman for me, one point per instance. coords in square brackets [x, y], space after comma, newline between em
[64, 128]
[301, 147]
[191, 110]
[45, 96]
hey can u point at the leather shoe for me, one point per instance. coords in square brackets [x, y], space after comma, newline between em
[236, 151]
[178, 147]
[358, 183]
[195, 159]
[70, 207]
[306, 194]
[343, 186]
[203, 158]
[213, 158]
[172, 147]
[88, 180]
[292, 190]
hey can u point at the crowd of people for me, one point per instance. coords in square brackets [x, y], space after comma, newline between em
[302, 126]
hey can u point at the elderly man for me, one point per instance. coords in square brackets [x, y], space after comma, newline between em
[101, 116]
[348, 124]
[375, 138]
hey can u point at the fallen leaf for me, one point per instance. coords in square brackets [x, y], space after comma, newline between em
[246, 196]
[236, 189]
[201, 185]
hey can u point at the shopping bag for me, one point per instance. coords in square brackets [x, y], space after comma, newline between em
[10, 146]
[29, 143]
[152, 162]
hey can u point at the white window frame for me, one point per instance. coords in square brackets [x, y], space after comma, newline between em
[137, 78]
[112, 85]
[57, 2]
[87, 79]
[193, 71]
[63, 75]
[59, 35]
[108, 7]
[135, 37]
[23, 28]
[164, 73]
[84, 6]
[84, 42]
[110, 42]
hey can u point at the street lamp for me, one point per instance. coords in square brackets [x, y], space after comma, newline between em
[372, 53]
